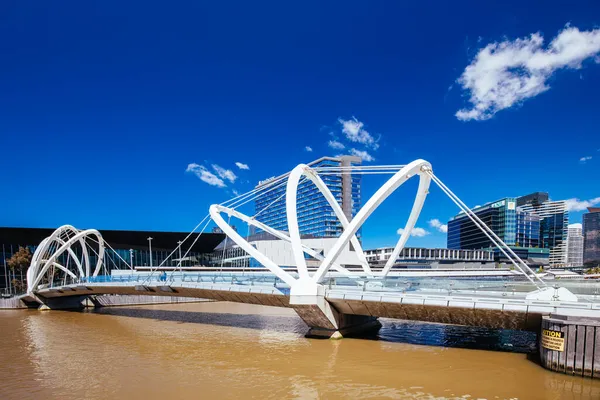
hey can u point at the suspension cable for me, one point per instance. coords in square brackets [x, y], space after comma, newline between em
[491, 232]
[482, 226]
[488, 232]
[189, 249]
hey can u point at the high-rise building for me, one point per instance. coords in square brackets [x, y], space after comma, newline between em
[513, 226]
[575, 246]
[518, 229]
[591, 237]
[315, 216]
[554, 224]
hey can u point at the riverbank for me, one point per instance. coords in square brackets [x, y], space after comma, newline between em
[230, 351]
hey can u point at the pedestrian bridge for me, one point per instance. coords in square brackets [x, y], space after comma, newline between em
[333, 300]
[484, 303]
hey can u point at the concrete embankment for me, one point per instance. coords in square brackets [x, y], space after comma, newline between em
[11, 303]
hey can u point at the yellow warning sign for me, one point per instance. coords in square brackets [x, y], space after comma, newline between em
[553, 340]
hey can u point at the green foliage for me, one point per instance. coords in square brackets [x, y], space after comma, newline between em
[595, 270]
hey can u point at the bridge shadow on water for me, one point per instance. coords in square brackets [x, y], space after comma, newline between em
[468, 337]
[397, 331]
[280, 323]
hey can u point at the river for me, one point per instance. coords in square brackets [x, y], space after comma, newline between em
[239, 351]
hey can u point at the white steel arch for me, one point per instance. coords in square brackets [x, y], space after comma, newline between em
[278, 234]
[61, 241]
[417, 167]
[292, 217]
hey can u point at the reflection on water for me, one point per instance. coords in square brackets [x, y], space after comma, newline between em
[458, 336]
[224, 350]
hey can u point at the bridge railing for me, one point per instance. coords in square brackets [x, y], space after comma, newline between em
[231, 278]
[459, 286]
[589, 289]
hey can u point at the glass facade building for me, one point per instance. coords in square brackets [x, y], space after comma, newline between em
[518, 229]
[315, 216]
[575, 247]
[591, 237]
[527, 222]
[513, 226]
[554, 224]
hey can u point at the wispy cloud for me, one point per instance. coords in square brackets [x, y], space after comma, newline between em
[507, 73]
[224, 173]
[205, 175]
[437, 224]
[354, 132]
[580, 205]
[362, 154]
[334, 144]
[416, 232]
[242, 165]
[308, 148]
[585, 159]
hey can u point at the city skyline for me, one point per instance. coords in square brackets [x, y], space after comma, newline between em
[145, 133]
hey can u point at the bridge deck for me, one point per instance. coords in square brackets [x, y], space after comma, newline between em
[493, 305]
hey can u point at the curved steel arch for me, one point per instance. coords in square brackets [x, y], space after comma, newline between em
[291, 197]
[59, 242]
[278, 234]
[215, 214]
[417, 167]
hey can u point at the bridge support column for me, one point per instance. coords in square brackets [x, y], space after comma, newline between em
[62, 303]
[570, 345]
[324, 321]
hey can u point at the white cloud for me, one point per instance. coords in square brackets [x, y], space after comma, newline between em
[436, 223]
[205, 175]
[416, 232]
[242, 165]
[334, 144]
[507, 73]
[362, 154]
[235, 192]
[224, 173]
[308, 148]
[579, 226]
[584, 159]
[354, 132]
[581, 205]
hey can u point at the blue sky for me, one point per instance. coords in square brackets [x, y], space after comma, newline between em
[104, 105]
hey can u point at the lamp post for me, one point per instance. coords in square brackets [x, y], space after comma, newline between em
[131, 258]
[150, 249]
[179, 246]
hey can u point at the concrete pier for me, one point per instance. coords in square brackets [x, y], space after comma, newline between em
[62, 303]
[570, 345]
[324, 320]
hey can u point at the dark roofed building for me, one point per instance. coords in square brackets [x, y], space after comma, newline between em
[131, 246]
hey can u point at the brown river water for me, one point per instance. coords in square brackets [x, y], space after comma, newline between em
[238, 351]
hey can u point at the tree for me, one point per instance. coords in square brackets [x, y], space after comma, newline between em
[595, 270]
[18, 264]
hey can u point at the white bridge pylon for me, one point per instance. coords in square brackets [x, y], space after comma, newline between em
[420, 168]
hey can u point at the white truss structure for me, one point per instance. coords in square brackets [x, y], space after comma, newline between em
[74, 247]
[418, 168]
[68, 251]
